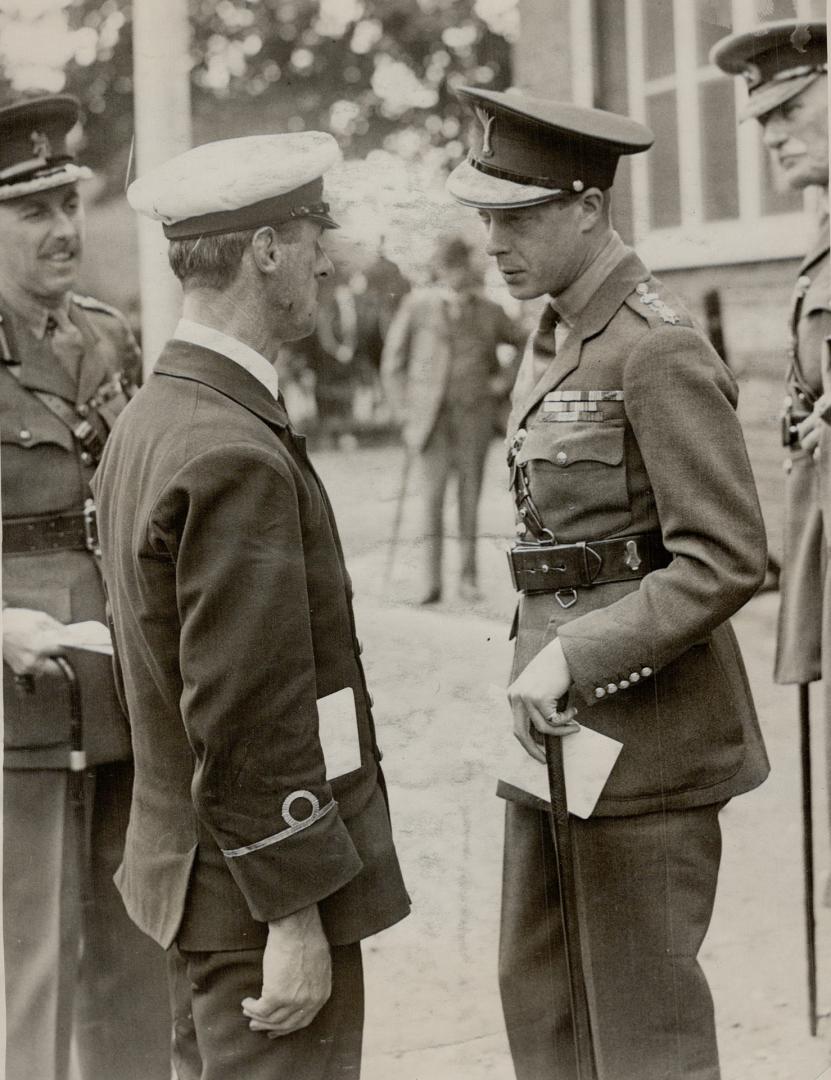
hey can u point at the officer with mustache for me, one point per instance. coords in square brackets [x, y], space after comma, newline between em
[75, 966]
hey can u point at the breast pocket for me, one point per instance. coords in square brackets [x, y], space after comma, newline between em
[577, 473]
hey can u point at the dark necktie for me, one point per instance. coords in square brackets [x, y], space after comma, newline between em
[67, 343]
[544, 342]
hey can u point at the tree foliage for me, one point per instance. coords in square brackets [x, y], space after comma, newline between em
[374, 72]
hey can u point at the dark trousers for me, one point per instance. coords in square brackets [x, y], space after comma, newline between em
[457, 446]
[212, 1039]
[646, 887]
[70, 965]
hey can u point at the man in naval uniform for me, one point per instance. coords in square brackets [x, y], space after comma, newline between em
[639, 535]
[74, 962]
[259, 849]
[785, 66]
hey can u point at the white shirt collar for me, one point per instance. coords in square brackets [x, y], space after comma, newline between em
[209, 338]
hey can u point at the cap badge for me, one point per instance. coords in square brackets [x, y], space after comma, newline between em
[800, 38]
[41, 147]
[487, 121]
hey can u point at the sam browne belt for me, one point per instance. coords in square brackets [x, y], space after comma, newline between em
[548, 567]
[52, 532]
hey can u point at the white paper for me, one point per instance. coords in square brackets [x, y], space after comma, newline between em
[338, 732]
[92, 636]
[588, 760]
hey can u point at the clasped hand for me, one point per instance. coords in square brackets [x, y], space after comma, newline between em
[297, 975]
[534, 695]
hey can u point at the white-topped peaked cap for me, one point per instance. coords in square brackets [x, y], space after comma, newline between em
[237, 184]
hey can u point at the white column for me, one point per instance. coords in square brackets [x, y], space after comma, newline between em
[161, 82]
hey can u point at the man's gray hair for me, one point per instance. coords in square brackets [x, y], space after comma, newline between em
[212, 262]
[209, 262]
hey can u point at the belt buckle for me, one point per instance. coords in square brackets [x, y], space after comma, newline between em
[90, 529]
[585, 570]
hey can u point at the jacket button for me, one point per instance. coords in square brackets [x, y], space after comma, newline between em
[561, 458]
[635, 677]
[86, 458]
[646, 672]
[612, 688]
[599, 692]
[624, 684]
[25, 435]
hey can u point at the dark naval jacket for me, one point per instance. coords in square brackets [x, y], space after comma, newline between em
[654, 661]
[45, 473]
[232, 614]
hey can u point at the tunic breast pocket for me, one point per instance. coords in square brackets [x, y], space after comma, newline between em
[577, 474]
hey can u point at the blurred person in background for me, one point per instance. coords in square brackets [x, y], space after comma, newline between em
[785, 67]
[444, 382]
[74, 962]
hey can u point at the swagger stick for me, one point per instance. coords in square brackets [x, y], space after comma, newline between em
[399, 515]
[77, 779]
[564, 858]
[808, 852]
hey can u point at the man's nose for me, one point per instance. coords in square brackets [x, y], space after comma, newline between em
[496, 243]
[64, 225]
[774, 134]
[324, 265]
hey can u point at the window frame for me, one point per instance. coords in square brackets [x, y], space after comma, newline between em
[753, 236]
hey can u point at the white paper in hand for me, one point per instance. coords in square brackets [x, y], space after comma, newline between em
[338, 733]
[92, 636]
[588, 760]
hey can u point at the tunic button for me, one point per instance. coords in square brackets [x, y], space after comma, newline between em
[520, 530]
[86, 458]
[599, 692]
[82, 410]
[521, 435]
[635, 677]
[562, 457]
[612, 688]
[646, 672]
[25, 435]
[624, 684]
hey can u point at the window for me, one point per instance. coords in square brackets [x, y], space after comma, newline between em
[706, 192]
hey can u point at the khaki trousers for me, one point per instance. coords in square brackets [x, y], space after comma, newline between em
[646, 886]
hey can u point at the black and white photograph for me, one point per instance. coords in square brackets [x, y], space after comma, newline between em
[415, 449]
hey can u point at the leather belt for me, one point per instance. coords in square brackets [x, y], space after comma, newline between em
[548, 567]
[52, 532]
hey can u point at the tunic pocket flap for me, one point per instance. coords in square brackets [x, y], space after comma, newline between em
[601, 442]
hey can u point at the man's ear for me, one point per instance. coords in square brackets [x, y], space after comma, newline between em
[592, 205]
[264, 249]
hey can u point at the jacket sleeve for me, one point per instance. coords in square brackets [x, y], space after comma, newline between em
[231, 521]
[679, 401]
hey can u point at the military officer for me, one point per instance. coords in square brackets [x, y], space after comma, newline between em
[259, 849]
[639, 535]
[73, 961]
[785, 66]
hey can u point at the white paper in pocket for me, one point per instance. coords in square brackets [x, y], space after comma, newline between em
[338, 732]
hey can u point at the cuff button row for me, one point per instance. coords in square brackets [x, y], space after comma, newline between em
[624, 684]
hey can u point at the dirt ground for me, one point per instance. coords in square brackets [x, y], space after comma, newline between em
[433, 1010]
